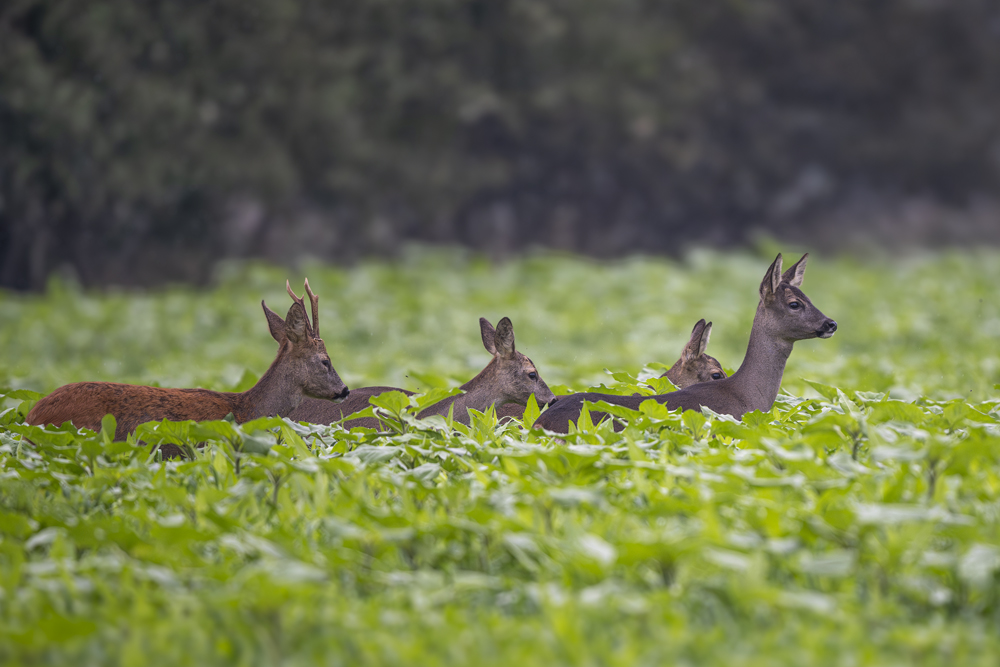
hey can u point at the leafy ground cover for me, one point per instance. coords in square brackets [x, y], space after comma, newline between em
[857, 523]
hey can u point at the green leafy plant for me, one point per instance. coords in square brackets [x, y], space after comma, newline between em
[854, 523]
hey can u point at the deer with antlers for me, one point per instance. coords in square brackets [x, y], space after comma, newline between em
[301, 368]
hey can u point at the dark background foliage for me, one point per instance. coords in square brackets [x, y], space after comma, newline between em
[142, 141]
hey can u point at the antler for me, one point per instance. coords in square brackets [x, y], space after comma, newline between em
[288, 286]
[314, 301]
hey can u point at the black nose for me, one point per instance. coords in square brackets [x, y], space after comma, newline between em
[344, 394]
[554, 399]
[827, 329]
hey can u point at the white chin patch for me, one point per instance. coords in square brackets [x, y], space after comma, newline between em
[827, 334]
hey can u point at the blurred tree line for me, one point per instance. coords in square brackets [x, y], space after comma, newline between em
[143, 140]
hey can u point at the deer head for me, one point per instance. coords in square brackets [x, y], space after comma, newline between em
[512, 375]
[789, 314]
[694, 365]
[302, 353]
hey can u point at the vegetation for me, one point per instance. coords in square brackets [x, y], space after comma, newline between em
[855, 524]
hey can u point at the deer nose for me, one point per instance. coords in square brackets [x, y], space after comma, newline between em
[827, 329]
[344, 394]
[554, 399]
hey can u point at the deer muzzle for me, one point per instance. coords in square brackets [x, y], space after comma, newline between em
[827, 329]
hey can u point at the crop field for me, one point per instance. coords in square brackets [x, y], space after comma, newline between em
[858, 523]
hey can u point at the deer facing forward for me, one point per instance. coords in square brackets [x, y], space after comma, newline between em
[301, 368]
[784, 315]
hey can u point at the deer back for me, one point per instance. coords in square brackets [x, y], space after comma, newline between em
[692, 367]
[317, 411]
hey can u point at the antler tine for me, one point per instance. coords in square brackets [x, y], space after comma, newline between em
[288, 286]
[314, 301]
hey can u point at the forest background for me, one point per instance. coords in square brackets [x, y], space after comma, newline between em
[144, 142]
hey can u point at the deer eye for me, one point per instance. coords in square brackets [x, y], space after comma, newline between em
[533, 376]
[716, 376]
[329, 366]
[794, 305]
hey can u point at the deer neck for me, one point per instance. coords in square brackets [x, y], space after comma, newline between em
[759, 377]
[275, 394]
[479, 394]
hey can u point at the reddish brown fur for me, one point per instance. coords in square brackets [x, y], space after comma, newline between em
[301, 367]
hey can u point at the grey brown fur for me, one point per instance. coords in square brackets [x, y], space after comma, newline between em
[692, 367]
[784, 315]
[510, 377]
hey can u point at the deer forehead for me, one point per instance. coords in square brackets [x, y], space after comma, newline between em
[527, 364]
[795, 294]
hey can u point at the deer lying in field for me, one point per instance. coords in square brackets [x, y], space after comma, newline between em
[510, 377]
[301, 368]
[784, 315]
[694, 366]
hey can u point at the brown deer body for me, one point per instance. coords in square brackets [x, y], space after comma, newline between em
[324, 412]
[692, 367]
[510, 377]
[301, 368]
[784, 315]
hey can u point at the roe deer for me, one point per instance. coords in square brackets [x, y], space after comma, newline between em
[301, 368]
[784, 315]
[510, 377]
[694, 366]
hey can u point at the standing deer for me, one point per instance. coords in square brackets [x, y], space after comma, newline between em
[694, 366]
[301, 368]
[784, 315]
[510, 377]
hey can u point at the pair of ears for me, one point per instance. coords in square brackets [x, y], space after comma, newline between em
[295, 328]
[699, 341]
[499, 341]
[774, 277]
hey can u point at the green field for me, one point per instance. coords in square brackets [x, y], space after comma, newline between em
[857, 524]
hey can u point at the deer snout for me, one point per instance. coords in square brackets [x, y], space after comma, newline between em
[345, 393]
[552, 400]
[827, 329]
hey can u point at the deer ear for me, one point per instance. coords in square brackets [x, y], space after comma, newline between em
[489, 333]
[769, 286]
[274, 323]
[504, 338]
[794, 275]
[691, 350]
[705, 335]
[296, 324]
